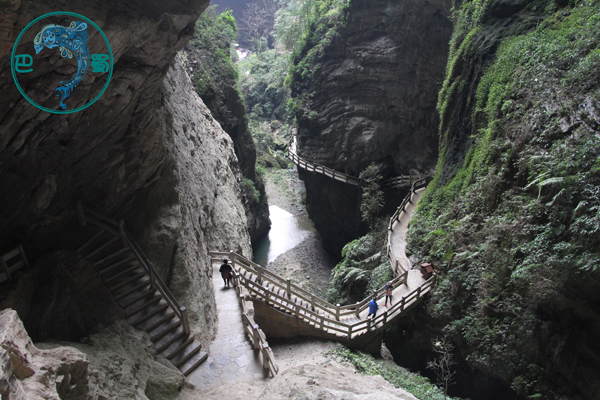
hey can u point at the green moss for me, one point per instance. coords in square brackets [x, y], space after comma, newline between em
[521, 213]
[413, 383]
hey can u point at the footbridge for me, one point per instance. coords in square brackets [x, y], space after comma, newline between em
[283, 309]
[400, 180]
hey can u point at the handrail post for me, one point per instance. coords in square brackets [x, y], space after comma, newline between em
[322, 322]
[5, 269]
[184, 320]
[402, 304]
[368, 324]
[151, 275]
[385, 315]
[232, 258]
[349, 332]
[418, 292]
[297, 306]
[357, 309]
[259, 276]
[312, 302]
[80, 213]
[337, 312]
[123, 233]
[289, 288]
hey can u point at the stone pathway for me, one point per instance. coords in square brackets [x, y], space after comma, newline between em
[231, 356]
[398, 241]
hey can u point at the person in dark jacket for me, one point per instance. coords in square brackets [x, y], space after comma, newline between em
[226, 272]
[373, 307]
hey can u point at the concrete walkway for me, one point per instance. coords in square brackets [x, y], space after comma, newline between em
[398, 250]
[231, 356]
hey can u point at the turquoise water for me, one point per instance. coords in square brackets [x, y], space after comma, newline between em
[287, 231]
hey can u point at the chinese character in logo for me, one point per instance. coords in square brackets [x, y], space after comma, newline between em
[71, 41]
[100, 63]
[23, 60]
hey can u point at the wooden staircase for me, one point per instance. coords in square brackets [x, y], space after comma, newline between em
[138, 289]
[347, 324]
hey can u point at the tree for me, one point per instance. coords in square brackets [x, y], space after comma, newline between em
[443, 364]
[372, 195]
[258, 21]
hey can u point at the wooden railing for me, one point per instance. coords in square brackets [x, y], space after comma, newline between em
[416, 185]
[256, 335]
[345, 178]
[11, 262]
[321, 169]
[87, 215]
[314, 310]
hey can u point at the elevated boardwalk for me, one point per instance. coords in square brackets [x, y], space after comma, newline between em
[283, 309]
[400, 180]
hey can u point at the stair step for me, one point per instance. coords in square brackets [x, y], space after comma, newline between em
[96, 236]
[150, 314]
[189, 355]
[118, 263]
[120, 274]
[162, 333]
[137, 298]
[129, 280]
[104, 246]
[142, 306]
[156, 324]
[118, 253]
[195, 364]
[169, 342]
[132, 289]
[180, 348]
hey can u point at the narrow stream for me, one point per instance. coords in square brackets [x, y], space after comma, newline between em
[287, 231]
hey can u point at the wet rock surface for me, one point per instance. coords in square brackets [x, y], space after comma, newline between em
[371, 98]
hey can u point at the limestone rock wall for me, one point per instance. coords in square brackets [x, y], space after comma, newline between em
[369, 96]
[147, 152]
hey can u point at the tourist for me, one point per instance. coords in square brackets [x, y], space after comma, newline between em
[389, 288]
[226, 271]
[373, 307]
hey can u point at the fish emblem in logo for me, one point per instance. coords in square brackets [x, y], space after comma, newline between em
[77, 39]
[72, 41]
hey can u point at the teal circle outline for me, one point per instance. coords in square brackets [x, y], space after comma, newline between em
[12, 62]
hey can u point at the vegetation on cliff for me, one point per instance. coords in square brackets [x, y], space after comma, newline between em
[209, 60]
[514, 209]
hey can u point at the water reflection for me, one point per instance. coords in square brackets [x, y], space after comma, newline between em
[287, 231]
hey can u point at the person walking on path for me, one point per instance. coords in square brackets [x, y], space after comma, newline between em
[226, 271]
[373, 307]
[389, 288]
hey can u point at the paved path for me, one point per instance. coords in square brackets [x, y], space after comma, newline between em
[231, 356]
[398, 249]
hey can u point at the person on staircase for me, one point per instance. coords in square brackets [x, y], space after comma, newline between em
[389, 289]
[373, 307]
[226, 272]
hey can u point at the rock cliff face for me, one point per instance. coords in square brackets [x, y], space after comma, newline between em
[148, 151]
[116, 362]
[365, 92]
[512, 214]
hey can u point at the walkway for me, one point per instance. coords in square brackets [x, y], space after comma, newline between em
[232, 358]
[342, 177]
[284, 309]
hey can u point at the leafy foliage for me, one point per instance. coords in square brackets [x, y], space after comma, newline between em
[364, 267]
[416, 384]
[521, 214]
[372, 195]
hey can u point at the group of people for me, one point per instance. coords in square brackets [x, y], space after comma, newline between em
[373, 306]
[226, 272]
